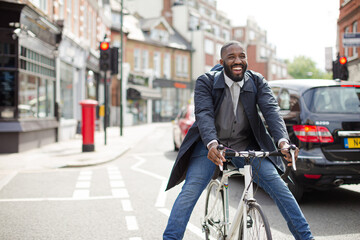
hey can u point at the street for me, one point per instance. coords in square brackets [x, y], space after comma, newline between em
[125, 199]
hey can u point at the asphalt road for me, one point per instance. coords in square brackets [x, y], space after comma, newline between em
[125, 199]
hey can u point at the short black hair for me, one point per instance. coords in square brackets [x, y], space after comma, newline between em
[228, 44]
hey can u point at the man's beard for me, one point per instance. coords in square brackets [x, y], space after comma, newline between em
[235, 78]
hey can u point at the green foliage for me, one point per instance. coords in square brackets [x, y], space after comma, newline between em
[303, 67]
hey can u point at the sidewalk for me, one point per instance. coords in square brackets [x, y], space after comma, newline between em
[69, 153]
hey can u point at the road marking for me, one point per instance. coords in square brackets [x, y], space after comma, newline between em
[115, 184]
[131, 223]
[83, 185]
[135, 238]
[81, 193]
[121, 193]
[57, 199]
[191, 227]
[7, 179]
[126, 205]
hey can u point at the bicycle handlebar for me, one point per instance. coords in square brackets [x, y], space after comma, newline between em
[252, 154]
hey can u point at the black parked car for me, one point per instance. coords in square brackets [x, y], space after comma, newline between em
[323, 120]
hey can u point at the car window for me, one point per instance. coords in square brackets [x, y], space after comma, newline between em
[333, 99]
[284, 100]
[275, 91]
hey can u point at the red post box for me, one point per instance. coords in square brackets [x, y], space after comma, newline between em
[88, 124]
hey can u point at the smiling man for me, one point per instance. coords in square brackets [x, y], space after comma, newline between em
[226, 104]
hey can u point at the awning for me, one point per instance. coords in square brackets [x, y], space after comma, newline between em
[136, 92]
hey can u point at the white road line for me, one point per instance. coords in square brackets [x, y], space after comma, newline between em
[115, 177]
[115, 184]
[131, 223]
[191, 227]
[57, 199]
[120, 192]
[161, 198]
[7, 179]
[84, 178]
[126, 205]
[135, 167]
[135, 238]
[83, 184]
[81, 193]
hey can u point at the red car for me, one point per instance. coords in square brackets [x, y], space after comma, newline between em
[183, 121]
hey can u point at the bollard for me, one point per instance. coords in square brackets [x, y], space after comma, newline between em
[88, 124]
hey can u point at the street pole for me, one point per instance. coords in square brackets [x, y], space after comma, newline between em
[121, 67]
[105, 104]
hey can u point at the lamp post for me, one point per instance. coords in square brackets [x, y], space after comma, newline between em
[121, 66]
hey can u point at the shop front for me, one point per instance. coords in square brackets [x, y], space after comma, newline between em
[28, 48]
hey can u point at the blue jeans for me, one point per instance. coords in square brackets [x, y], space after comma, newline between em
[199, 174]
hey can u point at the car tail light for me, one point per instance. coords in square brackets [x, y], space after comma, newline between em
[312, 176]
[311, 133]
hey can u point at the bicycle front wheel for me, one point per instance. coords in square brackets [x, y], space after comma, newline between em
[257, 226]
[214, 212]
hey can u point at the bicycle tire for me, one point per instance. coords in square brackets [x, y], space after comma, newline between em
[257, 226]
[214, 226]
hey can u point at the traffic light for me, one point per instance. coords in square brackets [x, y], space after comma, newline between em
[105, 56]
[114, 60]
[340, 70]
[344, 73]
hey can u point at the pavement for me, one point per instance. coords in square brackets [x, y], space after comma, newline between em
[69, 153]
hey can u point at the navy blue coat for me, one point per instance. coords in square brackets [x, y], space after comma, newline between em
[208, 96]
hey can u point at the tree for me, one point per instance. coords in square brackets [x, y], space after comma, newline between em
[303, 67]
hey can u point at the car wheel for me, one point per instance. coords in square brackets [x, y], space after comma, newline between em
[296, 188]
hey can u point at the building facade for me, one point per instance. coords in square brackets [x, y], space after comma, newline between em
[348, 22]
[261, 55]
[158, 81]
[52, 52]
[29, 43]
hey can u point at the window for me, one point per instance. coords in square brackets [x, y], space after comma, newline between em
[167, 66]
[66, 90]
[209, 46]
[145, 59]
[69, 14]
[185, 66]
[137, 59]
[284, 100]
[346, 48]
[178, 65]
[157, 64]
[239, 33]
[41, 4]
[355, 25]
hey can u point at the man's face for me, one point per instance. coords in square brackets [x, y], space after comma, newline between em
[235, 62]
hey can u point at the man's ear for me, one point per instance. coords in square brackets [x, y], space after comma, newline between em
[221, 62]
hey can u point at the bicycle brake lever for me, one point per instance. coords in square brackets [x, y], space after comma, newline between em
[221, 148]
[292, 153]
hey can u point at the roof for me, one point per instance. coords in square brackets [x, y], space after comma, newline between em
[138, 30]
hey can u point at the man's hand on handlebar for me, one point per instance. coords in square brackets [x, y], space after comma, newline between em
[285, 150]
[215, 155]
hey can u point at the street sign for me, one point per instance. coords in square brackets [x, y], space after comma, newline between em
[351, 40]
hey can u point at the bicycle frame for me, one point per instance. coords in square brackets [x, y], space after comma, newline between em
[230, 231]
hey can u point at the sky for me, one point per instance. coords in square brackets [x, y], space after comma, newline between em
[294, 27]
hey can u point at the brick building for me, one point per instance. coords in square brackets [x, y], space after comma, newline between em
[349, 22]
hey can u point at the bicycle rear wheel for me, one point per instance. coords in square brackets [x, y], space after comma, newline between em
[214, 206]
[257, 226]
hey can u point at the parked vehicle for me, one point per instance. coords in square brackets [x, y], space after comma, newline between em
[183, 121]
[323, 120]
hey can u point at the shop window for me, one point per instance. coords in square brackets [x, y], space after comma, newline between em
[66, 90]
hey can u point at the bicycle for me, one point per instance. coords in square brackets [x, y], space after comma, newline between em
[249, 222]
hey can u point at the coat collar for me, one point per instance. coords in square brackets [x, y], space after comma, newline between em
[219, 82]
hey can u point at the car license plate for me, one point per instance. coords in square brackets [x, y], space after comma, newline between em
[352, 142]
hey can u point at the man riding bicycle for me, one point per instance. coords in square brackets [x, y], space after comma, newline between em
[226, 112]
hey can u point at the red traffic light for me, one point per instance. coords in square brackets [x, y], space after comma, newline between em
[342, 60]
[104, 46]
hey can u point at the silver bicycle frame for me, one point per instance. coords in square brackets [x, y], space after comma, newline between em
[230, 231]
